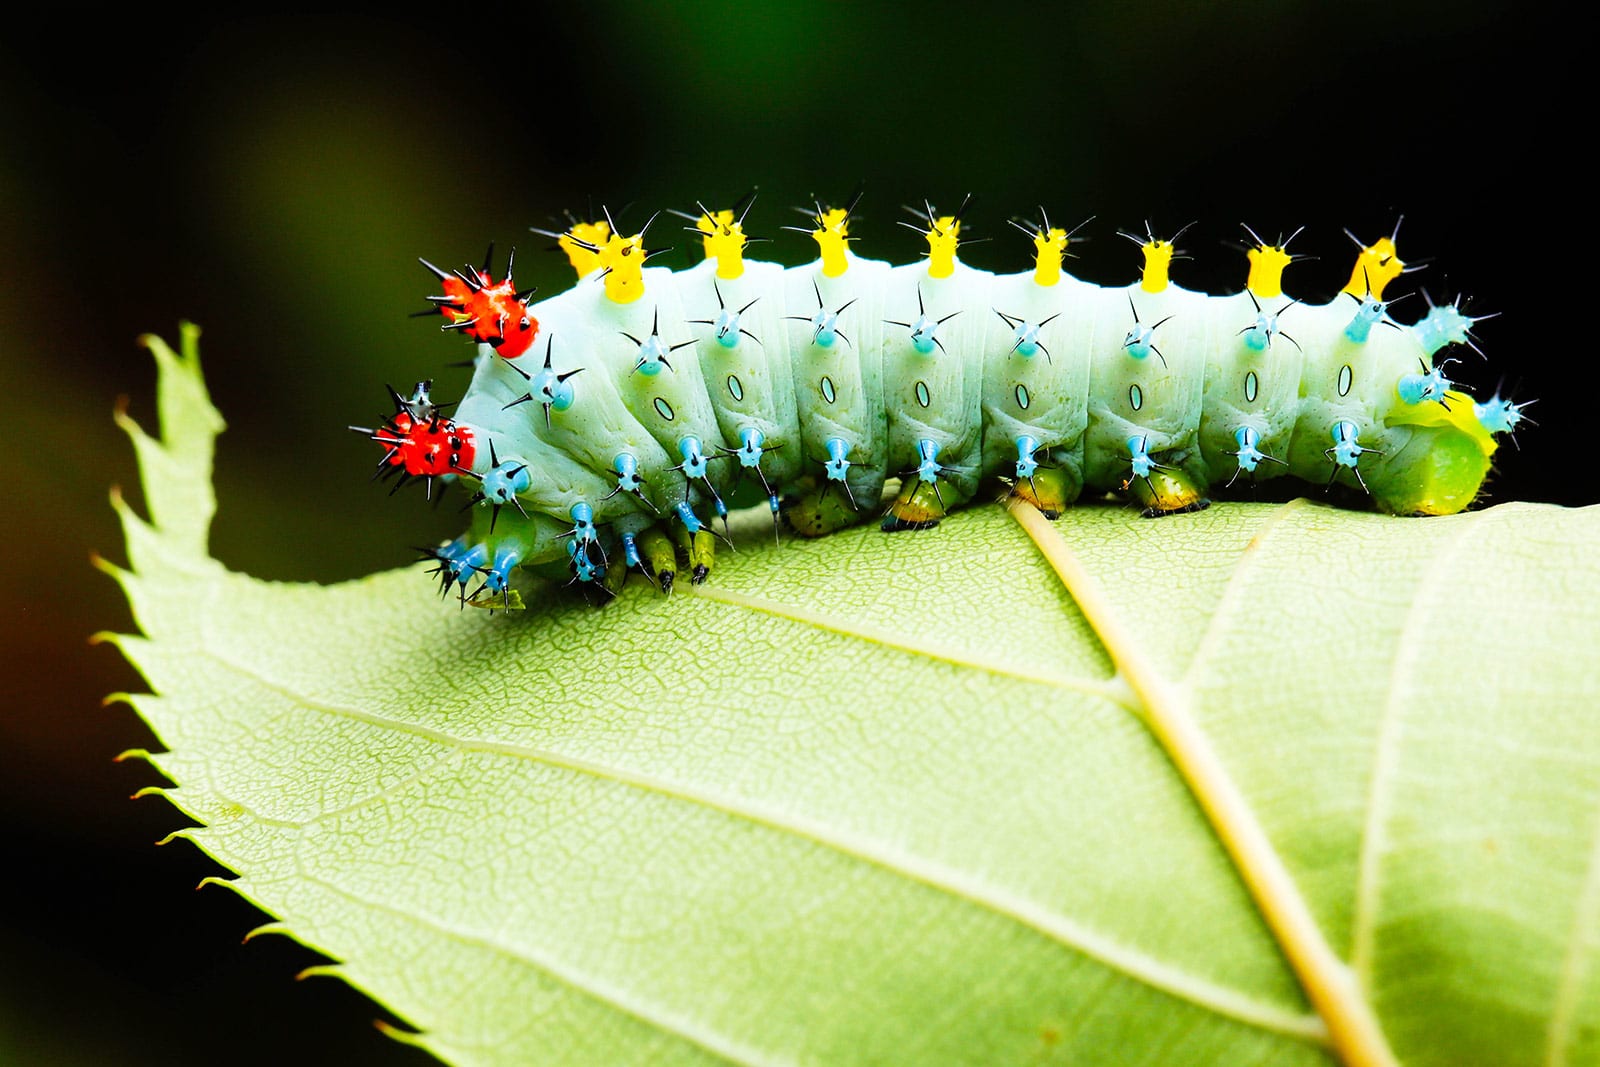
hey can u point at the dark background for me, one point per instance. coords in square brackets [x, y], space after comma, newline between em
[274, 178]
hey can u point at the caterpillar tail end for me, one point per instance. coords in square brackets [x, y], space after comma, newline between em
[1442, 467]
[1446, 476]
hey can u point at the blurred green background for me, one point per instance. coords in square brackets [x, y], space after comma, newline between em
[274, 178]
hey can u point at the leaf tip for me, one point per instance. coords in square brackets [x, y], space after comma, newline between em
[324, 970]
[264, 929]
[405, 1037]
[109, 637]
[127, 753]
[151, 791]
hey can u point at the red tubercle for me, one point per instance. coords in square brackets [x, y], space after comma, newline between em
[490, 312]
[426, 447]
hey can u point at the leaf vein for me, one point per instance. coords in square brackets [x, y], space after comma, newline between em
[1574, 968]
[927, 649]
[587, 985]
[1386, 759]
[1173, 981]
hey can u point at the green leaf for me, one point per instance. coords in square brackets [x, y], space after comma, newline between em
[1291, 784]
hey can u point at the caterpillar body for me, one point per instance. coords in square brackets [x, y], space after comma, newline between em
[606, 428]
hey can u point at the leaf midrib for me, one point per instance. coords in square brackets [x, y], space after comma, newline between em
[1327, 980]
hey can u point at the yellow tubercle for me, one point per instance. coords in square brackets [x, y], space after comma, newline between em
[1157, 261]
[724, 240]
[833, 240]
[1376, 266]
[944, 233]
[582, 244]
[1266, 269]
[622, 258]
[1049, 247]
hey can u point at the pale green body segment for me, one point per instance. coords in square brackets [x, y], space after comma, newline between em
[751, 384]
[879, 398]
[838, 387]
[937, 395]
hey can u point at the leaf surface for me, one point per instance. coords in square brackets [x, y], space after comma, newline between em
[899, 799]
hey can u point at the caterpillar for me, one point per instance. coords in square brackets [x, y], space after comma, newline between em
[605, 429]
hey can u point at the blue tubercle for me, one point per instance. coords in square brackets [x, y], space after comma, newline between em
[1444, 325]
[458, 562]
[551, 388]
[627, 470]
[924, 329]
[1369, 314]
[1346, 446]
[1347, 450]
[630, 550]
[1499, 415]
[498, 580]
[690, 520]
[928, 461]
[749, 450]
[1249, 455]
[582, 522]
[506, 480]
[824, 327]
[1141, 461]
[836, 465]
[1025, 340]
[1139, 341]
[448, 556]
[1259, 334]
[1025, 335]
[694, 461]
[653, 351]
[652, 356]
[1026, 464]
[584, 569]
[727, 328]
[1430, 385]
